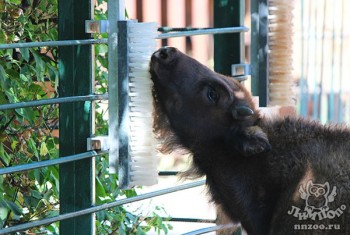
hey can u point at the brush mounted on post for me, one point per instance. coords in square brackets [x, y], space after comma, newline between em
[281, 52]
[137, 159]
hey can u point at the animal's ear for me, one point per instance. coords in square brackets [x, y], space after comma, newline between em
[250, 141]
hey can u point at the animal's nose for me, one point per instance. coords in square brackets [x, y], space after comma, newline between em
[164, 52]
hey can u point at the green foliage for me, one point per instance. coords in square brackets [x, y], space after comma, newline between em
[119, 220]
[28, 134]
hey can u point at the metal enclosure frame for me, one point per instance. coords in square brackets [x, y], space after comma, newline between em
[77, 179]
[259, 50]
[77, 170]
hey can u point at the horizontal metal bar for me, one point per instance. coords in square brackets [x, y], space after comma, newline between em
[177, 29]
[192, 220]
[203, 32]
[209, 229]
[53, 43]
[60, 100]
[168, 173]
[94, 209]
[104, 40]
[61, 160]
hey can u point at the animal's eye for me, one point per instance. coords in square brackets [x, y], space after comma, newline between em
[212, 95]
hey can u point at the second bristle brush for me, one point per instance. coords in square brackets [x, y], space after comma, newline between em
[138, 159]
[281, 90]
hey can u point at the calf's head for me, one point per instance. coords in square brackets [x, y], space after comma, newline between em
[201, 107]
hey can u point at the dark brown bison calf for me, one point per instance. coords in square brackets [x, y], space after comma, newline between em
[282, 176]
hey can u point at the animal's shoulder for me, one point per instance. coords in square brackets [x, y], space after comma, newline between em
[299, 131]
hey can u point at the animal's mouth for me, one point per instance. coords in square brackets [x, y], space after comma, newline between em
[162, 60]
[164, 54]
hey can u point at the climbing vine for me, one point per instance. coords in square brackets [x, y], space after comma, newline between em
[31, 134]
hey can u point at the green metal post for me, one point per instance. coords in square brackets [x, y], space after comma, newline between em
[75, 69]
[254, 46]
[259, 50]
[228, 48]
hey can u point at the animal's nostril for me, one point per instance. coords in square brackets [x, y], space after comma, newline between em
[163, 53]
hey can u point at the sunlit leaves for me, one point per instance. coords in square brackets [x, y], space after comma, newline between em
[26, 134]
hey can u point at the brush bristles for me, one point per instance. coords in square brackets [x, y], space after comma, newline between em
[281, 50]
[142, 146]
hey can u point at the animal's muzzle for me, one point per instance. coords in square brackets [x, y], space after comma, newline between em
[164, 53]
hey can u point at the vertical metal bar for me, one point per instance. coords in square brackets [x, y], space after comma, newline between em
[75, 70]
[263, 53]
[259, 50]
[303, 81]
[116, 11]
[316, 95]
[340, 103]
[331, 106]
[228, 48]
[308, 57]
[123, 87]
[254, 46]
[322, 61]
[164, 19]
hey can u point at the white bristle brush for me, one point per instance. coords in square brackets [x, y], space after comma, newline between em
[281, 83]
[143, 160]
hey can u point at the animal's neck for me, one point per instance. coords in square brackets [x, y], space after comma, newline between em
[217, 157]
[241, 187]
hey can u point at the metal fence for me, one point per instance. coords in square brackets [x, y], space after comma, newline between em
[77, 169]
[321, 38]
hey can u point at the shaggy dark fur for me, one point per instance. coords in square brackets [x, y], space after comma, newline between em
[289, 176]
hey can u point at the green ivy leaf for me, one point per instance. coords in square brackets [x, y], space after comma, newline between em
[3, 213]
[32, 147]
[15, 208]
[130, 193]
[100, 191]
[25, 53]
[3, 78]
[3, 209]
[43, 149]
[39, 66]
[14, 145]
[16, 2]
[3, 37]
[23, 78]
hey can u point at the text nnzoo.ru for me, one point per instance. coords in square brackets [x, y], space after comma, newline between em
[316, 226]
